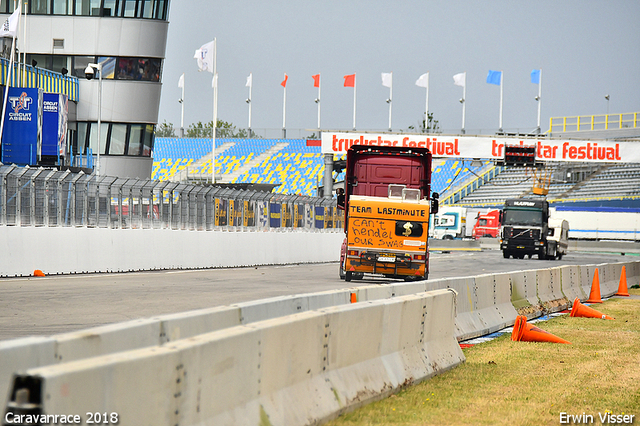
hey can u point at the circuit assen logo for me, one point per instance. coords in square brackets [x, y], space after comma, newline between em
[19, 105]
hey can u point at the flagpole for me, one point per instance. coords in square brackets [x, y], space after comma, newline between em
[390, 98]
[284, 110]
[182, 109]
[501, 92]
[249, 100]
[215, 111]
[318, 102]
[539, 99]
[354, 101]
[426, 107]
[9, 77]
[464, 99]
[24, 47]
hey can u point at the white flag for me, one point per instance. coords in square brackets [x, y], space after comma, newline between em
[205, 57]
[423, 80]
[460, 79]
[10, 26]
[387, 79]
[249, 80]
[181, 81]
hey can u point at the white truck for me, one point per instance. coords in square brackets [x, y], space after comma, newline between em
[449, 223]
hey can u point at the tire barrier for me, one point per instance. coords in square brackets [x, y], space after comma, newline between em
[292, 370]
[484, 304]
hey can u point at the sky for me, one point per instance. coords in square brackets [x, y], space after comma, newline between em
[587, 49]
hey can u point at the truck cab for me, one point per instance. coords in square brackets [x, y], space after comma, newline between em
[487, 225]
[387, 202]
[525, 228]
[450, 223]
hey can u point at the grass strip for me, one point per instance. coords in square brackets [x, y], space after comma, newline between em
[522, 383]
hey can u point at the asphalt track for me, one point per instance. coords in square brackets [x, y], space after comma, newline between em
[56, 304]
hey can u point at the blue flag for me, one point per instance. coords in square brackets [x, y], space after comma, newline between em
[494, 77]
[535, 76]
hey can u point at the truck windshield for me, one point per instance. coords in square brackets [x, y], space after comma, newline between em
[523, 217]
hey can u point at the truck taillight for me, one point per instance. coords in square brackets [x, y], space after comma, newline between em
[353, 252]
[419, 257]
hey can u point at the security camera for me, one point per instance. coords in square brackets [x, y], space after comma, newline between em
[248, 101]
[537, 98]
[180, 101]
[89, 72]
[317, 100]
[388, 101]
[461, 100]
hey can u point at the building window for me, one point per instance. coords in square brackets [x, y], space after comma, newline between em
[117, 139]
[62, 7]
[147, 9]
[135, 140]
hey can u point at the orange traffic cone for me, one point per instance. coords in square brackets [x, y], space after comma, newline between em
[594, 296]
[580, 310]
[622, 288]
[354, 298]
[38, 273]
[523, 332]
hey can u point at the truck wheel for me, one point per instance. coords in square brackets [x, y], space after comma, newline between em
[560, 256]
[447, 237]
[342, 274]
[505, 254]
[348, 275]
[542, 254]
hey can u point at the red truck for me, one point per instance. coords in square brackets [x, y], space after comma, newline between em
[387, 201]
[487, 225]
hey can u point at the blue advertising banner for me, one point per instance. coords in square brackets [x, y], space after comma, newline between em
[274, 215]
[319, 217]
[22, 123]
[54, 124]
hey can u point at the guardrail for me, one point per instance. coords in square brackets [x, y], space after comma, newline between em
[593, 122]
[332, 367]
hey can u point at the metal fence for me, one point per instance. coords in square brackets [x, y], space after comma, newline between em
[49, 197]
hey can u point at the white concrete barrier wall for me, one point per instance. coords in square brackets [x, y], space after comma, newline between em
[550, 290]
[570, 277]
[524, 293]
[77, 250]
[292, 370]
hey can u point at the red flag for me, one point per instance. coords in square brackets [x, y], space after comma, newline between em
[350, 80]
[316, 80]
[284, 82]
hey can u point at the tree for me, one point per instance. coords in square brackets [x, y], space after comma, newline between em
[224, 130]
[165, 130]
[428, 125]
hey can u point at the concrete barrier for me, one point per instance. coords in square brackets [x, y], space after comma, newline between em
[294, 370]
[550, 290]
[485, 304]
[66, 250]
[570, 277]
[524, 293]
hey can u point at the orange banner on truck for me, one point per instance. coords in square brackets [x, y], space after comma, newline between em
[483, 147]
